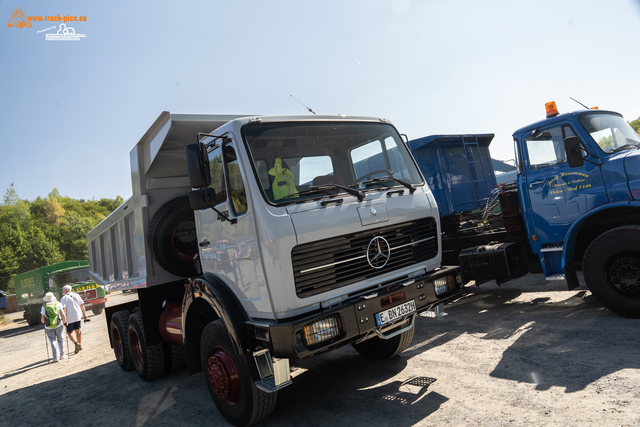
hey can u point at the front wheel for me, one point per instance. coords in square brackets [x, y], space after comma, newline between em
[381, 349]
[611, 269]
[228, 379]
[97, 309]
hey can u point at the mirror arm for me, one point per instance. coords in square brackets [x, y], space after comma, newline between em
[207, 198]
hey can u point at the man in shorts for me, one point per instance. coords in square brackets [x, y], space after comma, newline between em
[75, 312]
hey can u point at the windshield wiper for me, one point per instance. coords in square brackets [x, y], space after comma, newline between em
[624, 147]
[322, 188]
[390, 178]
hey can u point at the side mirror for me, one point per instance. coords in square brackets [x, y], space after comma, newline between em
[573, 148]
[198, 165]
[202, 199]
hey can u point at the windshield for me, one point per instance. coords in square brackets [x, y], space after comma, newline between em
[611, 132]
[309, 160]
[73, 277]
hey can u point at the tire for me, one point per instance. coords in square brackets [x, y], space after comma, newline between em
[175, 358]
[148, 360]
[380, 349]
[118, 329]
[228, 379]
[31, 316]
[172, 237]
[611, 268]
[97, 309]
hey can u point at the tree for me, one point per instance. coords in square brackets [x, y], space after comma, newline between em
[11, 196]
[636, 125]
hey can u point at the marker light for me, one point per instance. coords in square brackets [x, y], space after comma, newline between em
[594, 108]
[551, 108]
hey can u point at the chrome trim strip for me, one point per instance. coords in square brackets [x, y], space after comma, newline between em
[363, 256]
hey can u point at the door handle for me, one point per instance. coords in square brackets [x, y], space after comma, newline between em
[536, 182]
[204, 243]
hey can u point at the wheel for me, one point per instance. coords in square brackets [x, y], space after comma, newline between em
[611, 268]
[97, 309]
[370, 174]
[227, 375]
[172, 237]
[31, 316]
[175, 358]
[118, 330]
[380, 349]
[148, 360]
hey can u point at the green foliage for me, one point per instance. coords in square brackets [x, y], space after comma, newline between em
[636, 125]
[45, 231]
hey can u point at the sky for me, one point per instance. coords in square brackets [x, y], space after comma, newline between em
[71, 111]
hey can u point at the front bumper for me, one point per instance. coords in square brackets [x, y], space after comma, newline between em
[356, 316]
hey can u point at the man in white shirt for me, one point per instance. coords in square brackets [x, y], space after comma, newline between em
[75, 312]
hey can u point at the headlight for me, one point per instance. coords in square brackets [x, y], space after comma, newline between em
[445, 284]
[321, 330]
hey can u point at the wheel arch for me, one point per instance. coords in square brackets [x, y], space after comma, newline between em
[208, 299]
[592, 224]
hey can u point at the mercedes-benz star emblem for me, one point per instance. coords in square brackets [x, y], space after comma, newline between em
[378, 252]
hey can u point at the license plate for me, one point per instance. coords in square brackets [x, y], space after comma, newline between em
[395, 313]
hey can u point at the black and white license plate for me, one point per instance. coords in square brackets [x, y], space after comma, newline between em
[395, 313]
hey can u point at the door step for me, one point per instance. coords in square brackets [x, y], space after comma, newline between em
[555, 277]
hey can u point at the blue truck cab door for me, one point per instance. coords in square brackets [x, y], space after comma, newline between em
[557, 194]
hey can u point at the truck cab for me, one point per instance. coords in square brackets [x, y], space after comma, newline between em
[578, 182]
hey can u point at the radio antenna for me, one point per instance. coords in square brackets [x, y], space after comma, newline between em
[580, 103]
[310, 110]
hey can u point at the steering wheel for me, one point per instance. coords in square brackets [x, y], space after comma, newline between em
[368, 175]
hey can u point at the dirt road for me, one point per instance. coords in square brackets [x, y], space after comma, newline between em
[523, 354]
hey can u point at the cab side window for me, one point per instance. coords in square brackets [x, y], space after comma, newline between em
[236, 184]
[546, 148]
[217, 174]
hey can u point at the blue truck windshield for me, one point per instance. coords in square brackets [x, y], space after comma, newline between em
[611, 132]
[306, 160]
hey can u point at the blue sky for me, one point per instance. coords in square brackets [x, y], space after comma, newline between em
[72, 110]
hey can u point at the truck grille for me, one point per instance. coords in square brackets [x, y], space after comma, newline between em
[340, 261]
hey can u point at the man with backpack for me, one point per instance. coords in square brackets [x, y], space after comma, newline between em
[75, 312]
[53, 317]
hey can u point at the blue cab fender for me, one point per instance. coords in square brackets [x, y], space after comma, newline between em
[574, 230]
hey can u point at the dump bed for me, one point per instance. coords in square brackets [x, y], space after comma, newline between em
[458, 169]
[119, 256]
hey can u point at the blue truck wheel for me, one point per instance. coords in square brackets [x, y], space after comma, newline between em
[611, 269]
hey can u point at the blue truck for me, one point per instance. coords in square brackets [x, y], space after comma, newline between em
[574, 206]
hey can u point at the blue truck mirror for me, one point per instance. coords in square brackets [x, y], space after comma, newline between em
[574, 151]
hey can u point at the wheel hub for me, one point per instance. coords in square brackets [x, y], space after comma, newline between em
[117, 344]
[624, 274]
[184, 240]
[223, 375]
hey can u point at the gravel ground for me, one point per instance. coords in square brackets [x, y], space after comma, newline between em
[529, 353]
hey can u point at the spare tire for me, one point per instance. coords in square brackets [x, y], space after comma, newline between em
[172, 237]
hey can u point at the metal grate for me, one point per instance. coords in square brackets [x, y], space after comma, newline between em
[340, 261]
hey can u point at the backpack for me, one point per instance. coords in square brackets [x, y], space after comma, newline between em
[51, 318]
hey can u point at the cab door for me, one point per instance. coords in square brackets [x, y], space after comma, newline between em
[558, 194]
[228, 245]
